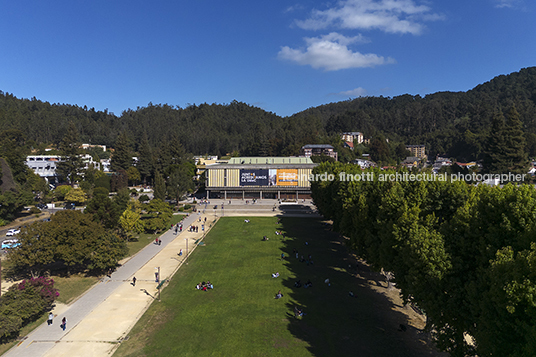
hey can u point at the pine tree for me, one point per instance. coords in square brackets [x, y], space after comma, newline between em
[159, 186]
[71, 165]
[495, 146]
[515, 154]
[145, 159]
[122, 158]
[505, 149]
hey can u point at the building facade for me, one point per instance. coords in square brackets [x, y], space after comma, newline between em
[260, 178]
[45, 165]
[318, 150]
[352, 136]
[417, 151]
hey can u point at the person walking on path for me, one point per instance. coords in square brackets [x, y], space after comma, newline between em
[134, 281]
[63, 323]
[50, 318]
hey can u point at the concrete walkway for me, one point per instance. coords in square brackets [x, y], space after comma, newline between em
[104, 315]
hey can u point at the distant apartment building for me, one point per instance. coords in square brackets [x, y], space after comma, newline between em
[417, 151]
[318, 150]
[352, 136]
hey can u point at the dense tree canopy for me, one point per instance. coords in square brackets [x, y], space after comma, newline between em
[72, 239]
[463, 254]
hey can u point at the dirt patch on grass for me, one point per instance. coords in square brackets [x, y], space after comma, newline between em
[410, 329]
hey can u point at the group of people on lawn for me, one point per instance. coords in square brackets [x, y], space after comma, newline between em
[204, 286]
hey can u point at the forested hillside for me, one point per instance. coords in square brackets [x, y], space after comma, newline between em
[452, 124]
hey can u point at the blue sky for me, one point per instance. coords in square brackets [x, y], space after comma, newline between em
[282, 56]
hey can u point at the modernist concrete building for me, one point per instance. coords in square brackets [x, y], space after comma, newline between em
[260, 177]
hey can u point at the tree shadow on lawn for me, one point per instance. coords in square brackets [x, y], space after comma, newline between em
[336, 323]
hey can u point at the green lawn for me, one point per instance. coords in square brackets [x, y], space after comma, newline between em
[73, 286]
[240, 317]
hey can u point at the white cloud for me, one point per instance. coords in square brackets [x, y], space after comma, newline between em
[392, 16]
[331, 53]
[357, 92]
[294, 8]
[507, 3]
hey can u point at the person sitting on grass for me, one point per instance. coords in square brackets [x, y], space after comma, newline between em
[308, 284]
[298, 312]
[275, 275]
[278, 295]
[265, 238]
[298, 284]
[198, 286]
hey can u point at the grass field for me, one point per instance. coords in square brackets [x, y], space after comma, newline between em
[240, 316]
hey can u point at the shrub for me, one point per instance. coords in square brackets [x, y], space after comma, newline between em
[23, 303]
[144, 198]
[61, 191]
[34, 210]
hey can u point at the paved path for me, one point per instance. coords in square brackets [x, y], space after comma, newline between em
[104, 315]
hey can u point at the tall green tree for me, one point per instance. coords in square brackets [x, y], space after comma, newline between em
[515, 154]
[122, 156]
[159, 186]
[145, 159]
[14, 149]
[505, 149]
[103, 209]
[71, 166]
[181, 180]
[71, 240]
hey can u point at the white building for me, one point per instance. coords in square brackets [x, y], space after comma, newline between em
[352, 136]
[364, 164]
[45, 165]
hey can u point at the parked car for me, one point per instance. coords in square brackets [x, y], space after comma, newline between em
[10, 243]
[69, 206]
[41, 206]
[12, 232]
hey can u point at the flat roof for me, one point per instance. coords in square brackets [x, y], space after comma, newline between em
[269, 160]
[317, 146]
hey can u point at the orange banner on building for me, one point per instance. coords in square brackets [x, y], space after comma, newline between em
[287, 177]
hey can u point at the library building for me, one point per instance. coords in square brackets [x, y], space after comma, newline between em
[260, 178]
